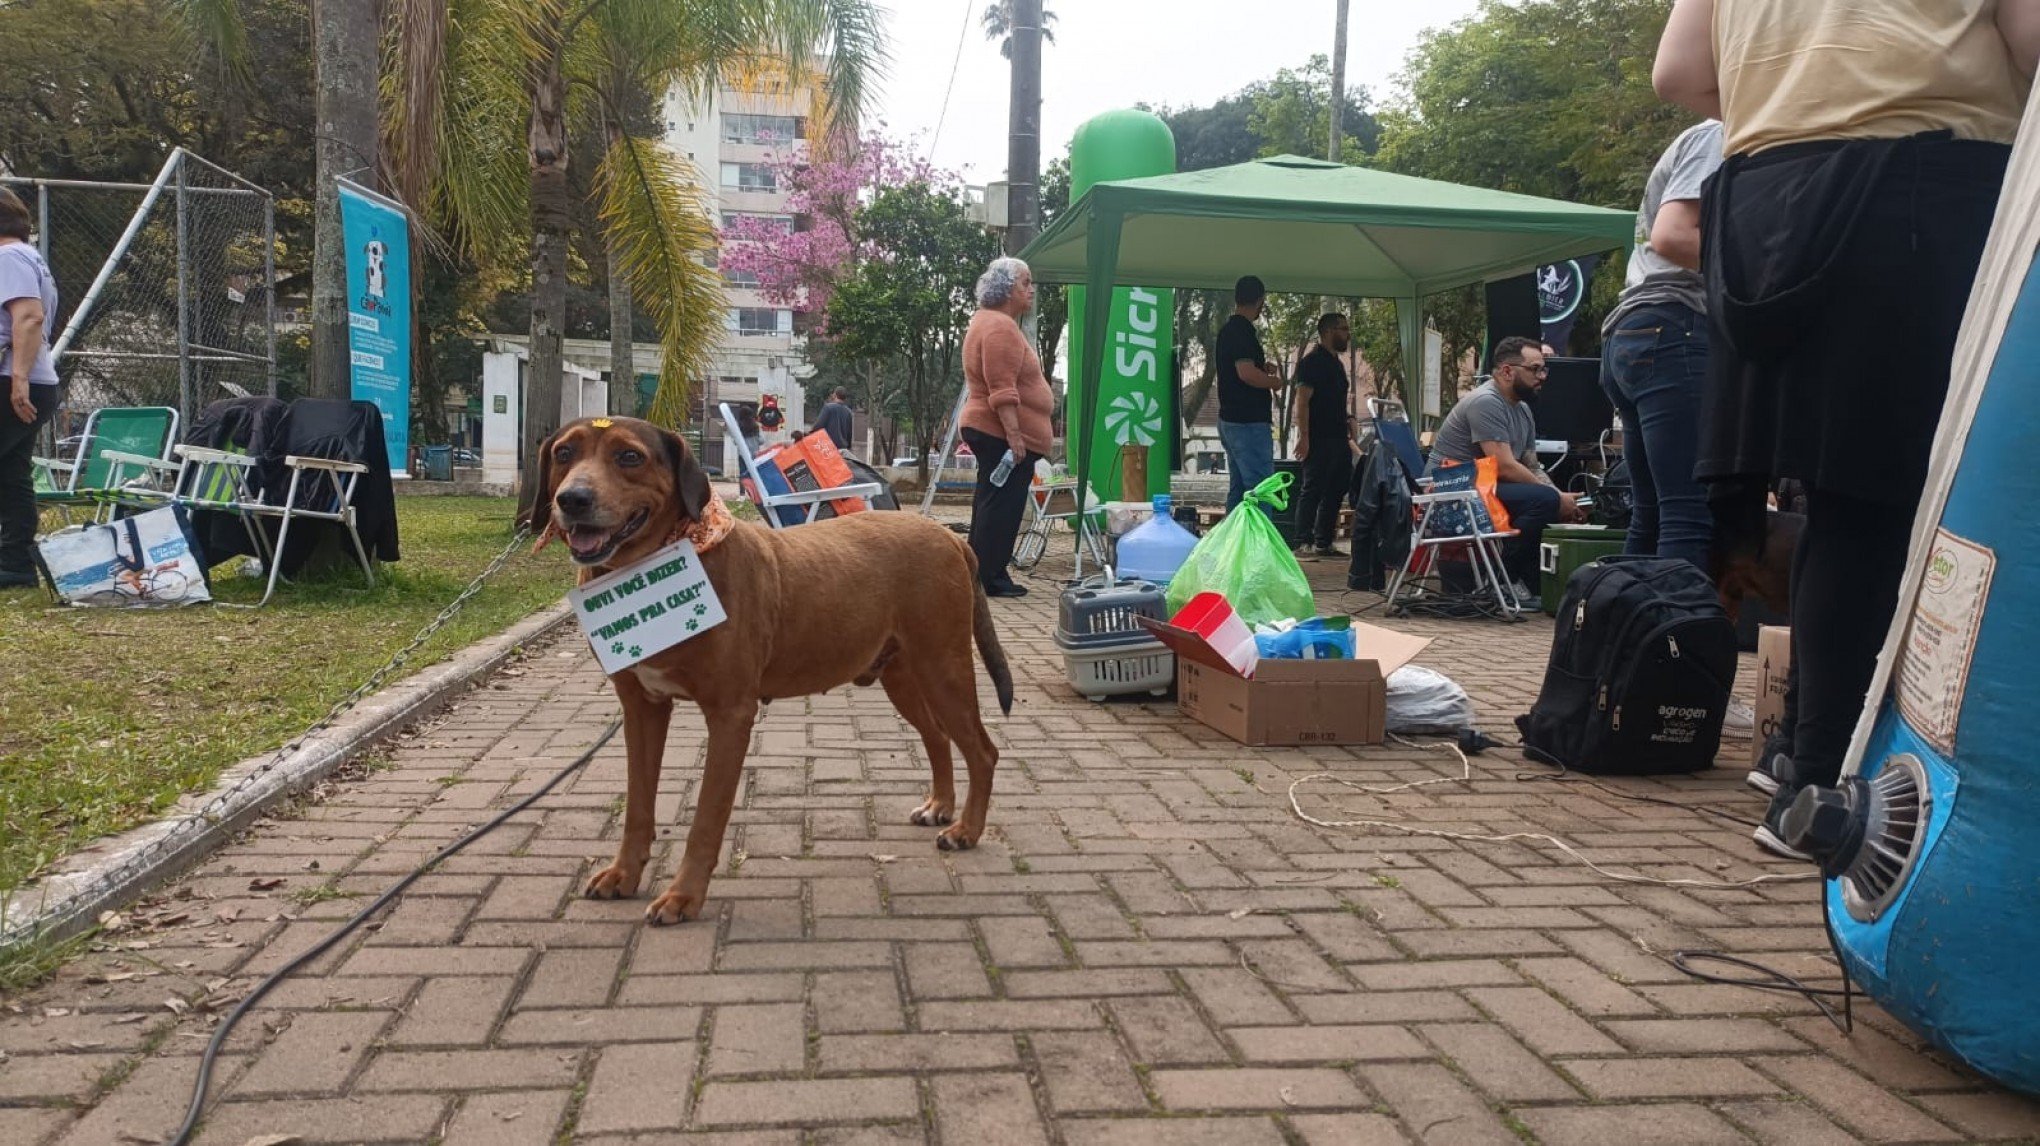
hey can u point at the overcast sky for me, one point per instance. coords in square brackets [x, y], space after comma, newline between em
[1116, 53]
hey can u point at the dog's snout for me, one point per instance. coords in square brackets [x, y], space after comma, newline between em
[575, 499]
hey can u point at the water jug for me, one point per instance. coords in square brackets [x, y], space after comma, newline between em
[1155, 548]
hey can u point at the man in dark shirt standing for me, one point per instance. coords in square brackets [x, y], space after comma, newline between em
[1245, 392]
[834, 420]
[1324, 432]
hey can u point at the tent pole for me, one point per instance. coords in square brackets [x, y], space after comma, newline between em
[1409, 322]
[1101, 259]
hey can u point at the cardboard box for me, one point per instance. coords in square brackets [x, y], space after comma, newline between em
[1290, 702]
[1774, 664]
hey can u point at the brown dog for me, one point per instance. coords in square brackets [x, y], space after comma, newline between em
[891, 598]
[1765, 573]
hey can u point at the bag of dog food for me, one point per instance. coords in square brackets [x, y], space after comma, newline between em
[1245, 560]
[149, 559]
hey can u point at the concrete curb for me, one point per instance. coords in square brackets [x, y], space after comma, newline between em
[70, 900]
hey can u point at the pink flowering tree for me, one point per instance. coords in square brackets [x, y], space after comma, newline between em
[798, 263]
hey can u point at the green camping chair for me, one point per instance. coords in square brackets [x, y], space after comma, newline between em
[122, 456]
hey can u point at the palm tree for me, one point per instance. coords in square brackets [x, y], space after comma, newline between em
[998, 22]
[483, 96]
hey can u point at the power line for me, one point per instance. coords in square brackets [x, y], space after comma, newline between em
[962, 34]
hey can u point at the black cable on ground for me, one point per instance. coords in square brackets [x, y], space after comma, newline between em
[1453, 607]
[1565, 775]
[1776, 980]
[219, 1039]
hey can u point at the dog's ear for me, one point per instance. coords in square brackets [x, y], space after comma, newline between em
[534, 512]
[690, 481]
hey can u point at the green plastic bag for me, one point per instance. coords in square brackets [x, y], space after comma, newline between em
[1245, 560]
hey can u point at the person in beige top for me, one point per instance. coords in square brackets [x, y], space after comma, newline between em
[1865, 145]
[1006, 418]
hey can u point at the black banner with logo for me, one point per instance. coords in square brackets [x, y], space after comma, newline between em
[1561, 291]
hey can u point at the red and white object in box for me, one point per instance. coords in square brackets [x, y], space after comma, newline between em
[1209, 616]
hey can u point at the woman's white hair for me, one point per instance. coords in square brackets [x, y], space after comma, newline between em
[996, 285]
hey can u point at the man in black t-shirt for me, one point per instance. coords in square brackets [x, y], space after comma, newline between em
[1245, 388]
[1324, 433]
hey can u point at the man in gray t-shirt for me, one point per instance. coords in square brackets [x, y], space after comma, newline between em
[1654, 354]
[1485, 414]
[1494, 421]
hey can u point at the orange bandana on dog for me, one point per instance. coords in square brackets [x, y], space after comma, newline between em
[715, 524]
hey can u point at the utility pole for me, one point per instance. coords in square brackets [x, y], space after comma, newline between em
[1337, 111]
[1023, 132]
[1338, 85]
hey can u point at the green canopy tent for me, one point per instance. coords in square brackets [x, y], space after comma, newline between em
[1305, 226]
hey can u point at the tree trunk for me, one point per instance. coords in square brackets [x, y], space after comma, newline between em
[345, 45]
[551, 216]
[623, 396]
[623, 393]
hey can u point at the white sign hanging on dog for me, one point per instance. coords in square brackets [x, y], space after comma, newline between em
[634, 612]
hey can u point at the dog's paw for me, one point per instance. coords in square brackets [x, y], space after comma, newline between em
[932, 814]
[616, 881]
[674, 907]
[957, 838]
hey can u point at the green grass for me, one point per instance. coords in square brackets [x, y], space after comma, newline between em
[26, 964]
[108, 716]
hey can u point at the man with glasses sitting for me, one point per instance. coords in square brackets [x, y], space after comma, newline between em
[1494, 420]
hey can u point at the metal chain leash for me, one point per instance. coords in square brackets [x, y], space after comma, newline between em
[211, 811]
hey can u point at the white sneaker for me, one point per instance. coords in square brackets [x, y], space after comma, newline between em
[1741, 720]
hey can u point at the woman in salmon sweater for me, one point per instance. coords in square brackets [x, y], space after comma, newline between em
[1006, 414]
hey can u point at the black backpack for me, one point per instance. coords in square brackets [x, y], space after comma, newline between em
[1640, 671]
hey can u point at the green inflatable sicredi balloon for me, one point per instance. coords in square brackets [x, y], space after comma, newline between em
[1245, 560]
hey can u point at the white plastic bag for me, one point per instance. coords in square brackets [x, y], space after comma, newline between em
[1422, 702]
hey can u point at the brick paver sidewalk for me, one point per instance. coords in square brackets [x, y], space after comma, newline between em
[1149, 948]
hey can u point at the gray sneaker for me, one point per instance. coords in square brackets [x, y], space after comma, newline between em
[1771, 768]
[1770, 835]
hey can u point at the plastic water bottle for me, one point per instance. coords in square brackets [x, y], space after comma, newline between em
[1003, 470]
[1156, 548]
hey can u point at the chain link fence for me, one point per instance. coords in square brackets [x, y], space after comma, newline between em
[167, 289]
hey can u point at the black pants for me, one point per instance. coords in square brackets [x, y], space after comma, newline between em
[1845, 578]
[1327, 475]
[17, 480]
[995, 510]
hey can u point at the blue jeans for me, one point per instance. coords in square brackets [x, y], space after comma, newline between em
[1653, 368]
[1249, 456]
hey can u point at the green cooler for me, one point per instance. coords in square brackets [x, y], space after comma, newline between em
[1566, 548]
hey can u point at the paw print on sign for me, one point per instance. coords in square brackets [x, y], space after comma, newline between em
[636, 651]
[700, 610]
[693, 625]
[616, 646]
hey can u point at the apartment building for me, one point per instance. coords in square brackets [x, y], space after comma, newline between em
[731, 137]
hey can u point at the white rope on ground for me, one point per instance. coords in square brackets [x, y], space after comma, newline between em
[1465, 775]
